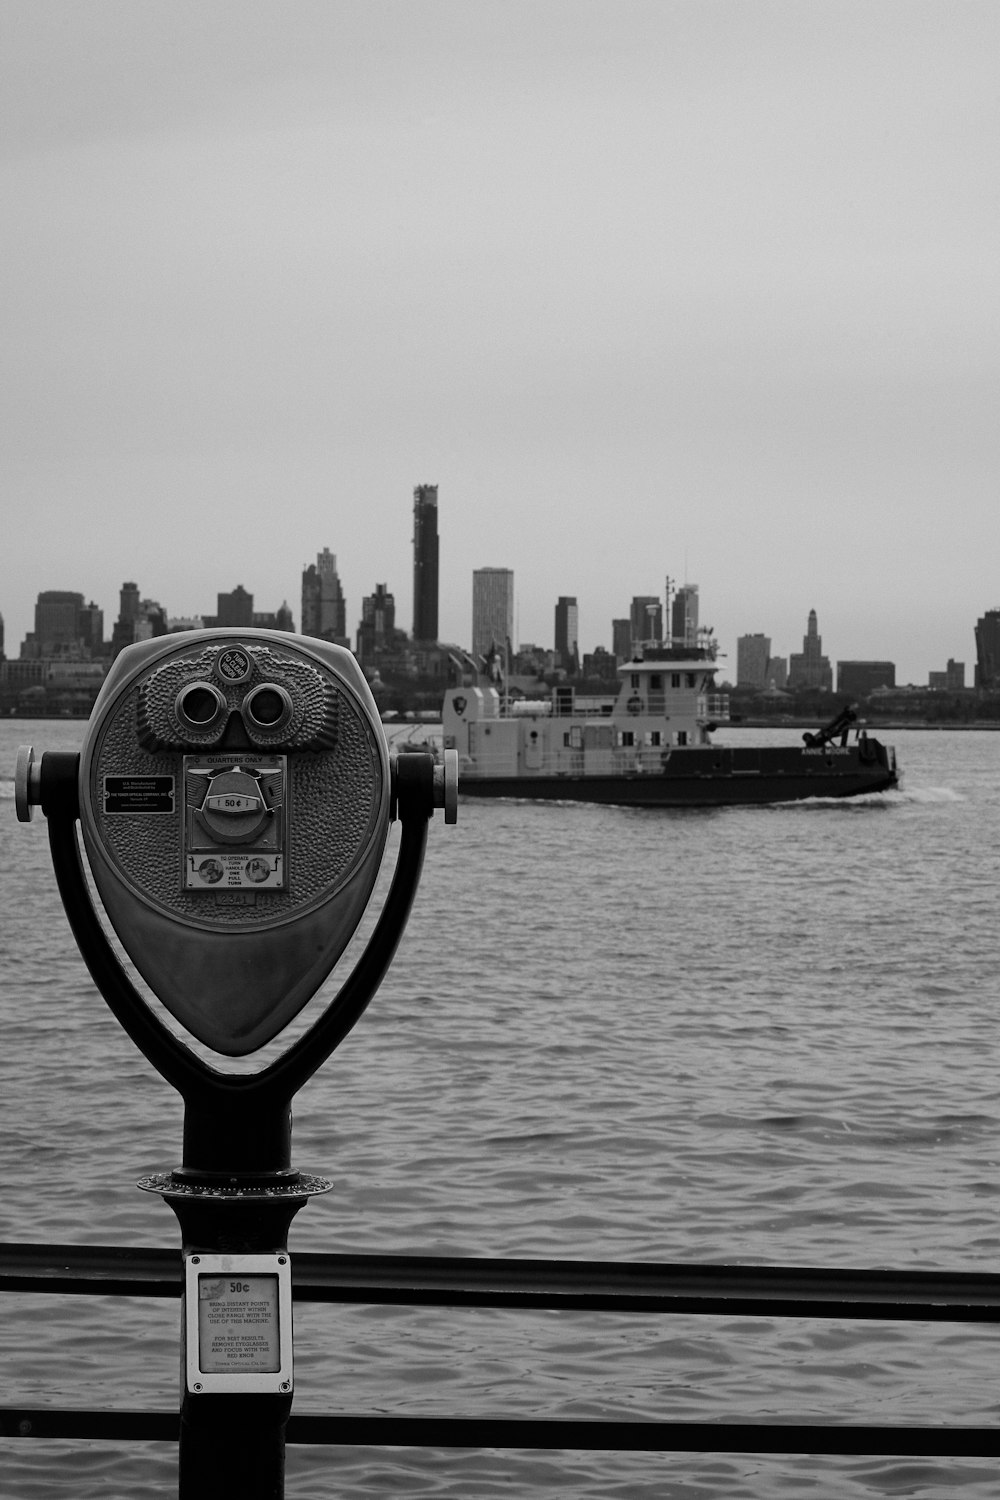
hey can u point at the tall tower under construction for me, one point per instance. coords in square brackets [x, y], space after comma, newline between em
[425, 562]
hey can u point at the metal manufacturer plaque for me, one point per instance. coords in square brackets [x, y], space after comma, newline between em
[238, 1323]
[138, 794]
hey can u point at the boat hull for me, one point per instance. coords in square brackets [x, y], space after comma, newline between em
[712, 776]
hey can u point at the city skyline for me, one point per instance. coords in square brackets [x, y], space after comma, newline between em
[749, 338]
[325, 614]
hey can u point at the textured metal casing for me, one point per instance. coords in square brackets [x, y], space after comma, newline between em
[235, 965]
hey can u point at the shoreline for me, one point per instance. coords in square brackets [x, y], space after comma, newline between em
[880, 725]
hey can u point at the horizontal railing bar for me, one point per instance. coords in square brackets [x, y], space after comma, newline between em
[644, 1437]
[91, 1270]
[79, 1423]
[585, 1286]
[533, 1433]
[615, 1286]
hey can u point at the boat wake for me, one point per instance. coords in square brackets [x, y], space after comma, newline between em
[895, 797]
[928, 794]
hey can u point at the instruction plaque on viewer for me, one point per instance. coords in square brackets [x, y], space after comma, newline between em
[238, 1320]
[238, 1324]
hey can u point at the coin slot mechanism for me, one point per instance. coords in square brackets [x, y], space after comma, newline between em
[235, 822]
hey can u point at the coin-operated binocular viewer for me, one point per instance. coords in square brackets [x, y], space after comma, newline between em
[235, 792]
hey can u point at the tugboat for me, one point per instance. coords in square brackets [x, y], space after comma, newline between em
[651, 746]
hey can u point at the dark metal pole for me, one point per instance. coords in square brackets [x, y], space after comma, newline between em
[233, 1444]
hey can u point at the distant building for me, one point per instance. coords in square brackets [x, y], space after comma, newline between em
[138, 620]
[567, 637]
[276, 619]
[65, 627]
[530, 660]
[425, 562]
[777, 672]
[152, 620]
[684, 616]
[753, 652]
[492, 610]
[621, 639]
[57, 623]
[92, 629]
[600, 663]
[645, 620]
[988, 650]
[123, 631]
[128, 603]
[377, 629]
[951, 680]
[28, 672]
[324, 608]
[235, 609]
[810, 668]
[858, 679]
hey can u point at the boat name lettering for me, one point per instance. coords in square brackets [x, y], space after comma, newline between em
[826, 750]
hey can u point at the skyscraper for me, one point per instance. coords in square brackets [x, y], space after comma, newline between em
[568, 633]
[425, 562]
[646, 619]
[621, 639]
[492, 610]
[753, 652]
[138, 619]
[324, 609]
[377, 626]
[809, 668]
[57, 623]
[988, 649]
[123, 632]
[684, 616]
[235, 609]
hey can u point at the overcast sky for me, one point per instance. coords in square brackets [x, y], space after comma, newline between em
[698, 288]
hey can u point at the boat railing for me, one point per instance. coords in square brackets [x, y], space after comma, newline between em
[714, 706]
[526, 1287]
[573, 760]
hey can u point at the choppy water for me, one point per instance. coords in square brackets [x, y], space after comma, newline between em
[747, 1035]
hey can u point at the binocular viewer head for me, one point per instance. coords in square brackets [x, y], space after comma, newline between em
[242, 695]
[235, 794]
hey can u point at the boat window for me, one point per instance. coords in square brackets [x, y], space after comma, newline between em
[656, 681]
[573, 738]
[675, 679]
[628, 737]
[691, 679]
[654, 736]
[682, 736]
[634, 679]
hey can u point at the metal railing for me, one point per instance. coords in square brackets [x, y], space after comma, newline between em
[714, 706]
[545, 1285]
